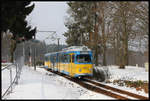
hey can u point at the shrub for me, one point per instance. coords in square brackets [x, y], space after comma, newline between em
[101, 73]
[122, 67]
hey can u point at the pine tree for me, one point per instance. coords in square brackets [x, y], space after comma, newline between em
[13, 18]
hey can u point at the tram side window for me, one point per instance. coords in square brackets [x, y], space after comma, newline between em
[51, 58]
[54, 58]
[72, 58]
[62, 58]
[65, 58]
[69, 58]
[59, 59]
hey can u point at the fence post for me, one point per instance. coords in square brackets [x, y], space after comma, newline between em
[11, 79]
[18, 71]
[16, 74]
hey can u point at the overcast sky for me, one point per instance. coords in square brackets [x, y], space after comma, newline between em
[49, 16]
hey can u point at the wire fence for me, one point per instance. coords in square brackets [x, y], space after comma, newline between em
[12, 72]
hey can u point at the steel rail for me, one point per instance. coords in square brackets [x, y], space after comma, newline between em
[97, 89]
[117, 90]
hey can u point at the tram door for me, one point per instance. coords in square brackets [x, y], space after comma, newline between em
[71, 64]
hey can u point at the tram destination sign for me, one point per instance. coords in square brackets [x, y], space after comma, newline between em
[84, 52]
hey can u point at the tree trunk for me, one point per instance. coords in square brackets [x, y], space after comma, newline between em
[126, 50]
[96, 45]
[96, 38]
[13, 47]
[104, 56]
[125, 42]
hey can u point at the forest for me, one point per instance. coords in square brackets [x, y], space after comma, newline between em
[121, 27]
[116, 32]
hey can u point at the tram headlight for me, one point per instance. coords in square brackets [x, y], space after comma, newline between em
[79, 69]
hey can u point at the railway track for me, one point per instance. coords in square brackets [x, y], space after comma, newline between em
[117, 90]
[103, 89]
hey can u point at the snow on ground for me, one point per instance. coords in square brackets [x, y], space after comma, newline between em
[41, 84]
[131, 73]
[131, 90]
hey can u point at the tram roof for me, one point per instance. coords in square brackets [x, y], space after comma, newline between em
[76, 48]
[71, 49]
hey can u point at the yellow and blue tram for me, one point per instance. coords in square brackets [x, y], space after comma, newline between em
[75, 61]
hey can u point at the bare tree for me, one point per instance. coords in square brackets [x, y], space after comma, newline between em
[104, 12]
[6, 43]
[123, 26]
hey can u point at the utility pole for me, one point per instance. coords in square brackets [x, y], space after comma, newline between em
[30, 57]
[34, 52]
[58, 43]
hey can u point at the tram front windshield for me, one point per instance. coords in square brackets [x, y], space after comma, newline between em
[84, 58]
